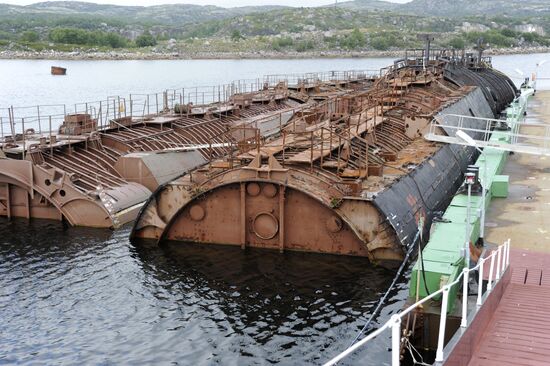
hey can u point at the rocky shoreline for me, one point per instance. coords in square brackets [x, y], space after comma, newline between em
[165, 55]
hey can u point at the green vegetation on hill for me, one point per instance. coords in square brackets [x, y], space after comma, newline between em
[83, 37]
[359, 25]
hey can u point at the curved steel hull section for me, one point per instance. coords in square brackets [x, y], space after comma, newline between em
[356, 181]
[498, 89]
[430, 187]
[103, 178]
[30, 191]
[264, 214]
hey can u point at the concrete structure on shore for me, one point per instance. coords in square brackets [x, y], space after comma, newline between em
[512, 327]
[525, 216]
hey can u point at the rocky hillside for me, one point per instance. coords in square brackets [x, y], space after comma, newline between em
[184, 13]
[374, 5]
[458, 8]
[167, 14]
[352, 26]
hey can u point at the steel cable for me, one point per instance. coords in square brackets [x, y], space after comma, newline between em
[392, 285]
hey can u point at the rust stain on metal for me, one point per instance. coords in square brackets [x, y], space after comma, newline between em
[100, 166]
[291, 163]
[308, 185]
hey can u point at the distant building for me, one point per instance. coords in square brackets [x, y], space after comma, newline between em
[530, 28]
[473, 27]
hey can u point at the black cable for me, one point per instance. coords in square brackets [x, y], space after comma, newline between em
[383, 298]
[423, 272]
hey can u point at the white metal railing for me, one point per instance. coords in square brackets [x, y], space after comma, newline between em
[499, 262]
[537, 142]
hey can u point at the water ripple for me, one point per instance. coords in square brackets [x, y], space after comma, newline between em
[72, 296]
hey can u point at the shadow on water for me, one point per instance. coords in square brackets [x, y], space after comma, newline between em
[85, 295]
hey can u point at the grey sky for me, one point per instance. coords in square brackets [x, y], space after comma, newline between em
[224, 3]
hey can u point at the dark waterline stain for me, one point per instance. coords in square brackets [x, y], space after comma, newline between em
[90, 296]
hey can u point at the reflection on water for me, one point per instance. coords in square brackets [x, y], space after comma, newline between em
[29, 82]
[89, 296]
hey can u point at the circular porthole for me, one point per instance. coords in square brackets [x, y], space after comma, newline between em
[265, 226]
[253, 189]
[197, 213]
[269, 190]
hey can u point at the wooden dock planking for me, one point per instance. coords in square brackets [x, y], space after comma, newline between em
[519, 330]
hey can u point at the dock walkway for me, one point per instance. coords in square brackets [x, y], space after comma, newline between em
[512, 327]
[519, 330]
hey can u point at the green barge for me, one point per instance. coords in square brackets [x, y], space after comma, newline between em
[443, 258]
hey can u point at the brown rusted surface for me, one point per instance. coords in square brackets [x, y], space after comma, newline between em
[101, 176]
[56, 70]
[308, 186]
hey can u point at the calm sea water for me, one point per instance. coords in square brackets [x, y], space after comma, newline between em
[84, 296]
[29, 82]
[72, 296]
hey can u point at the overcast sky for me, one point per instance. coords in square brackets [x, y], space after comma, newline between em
[224, 3]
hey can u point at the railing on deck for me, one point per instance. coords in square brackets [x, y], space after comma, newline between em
[324, 141]
[536, 142]
[264, 127]
[239, 139]
[317, 77]
[44, 119]
[318, 142]
[502, 258]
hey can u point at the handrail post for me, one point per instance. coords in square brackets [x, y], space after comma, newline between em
[322, 144]
[157, 102]
[504, 251]
[499, 268]
[465, 278]
[503, 264]
[99, 114]
[39, 125]
[395, 340]
[508, 254]
[24, 135]
[311, 152]
[284, 147]
[131, 106]
[490, 283]
[480, 281]
[442, 324]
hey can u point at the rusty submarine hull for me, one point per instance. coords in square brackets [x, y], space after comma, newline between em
[95, 164]
[349, 175]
